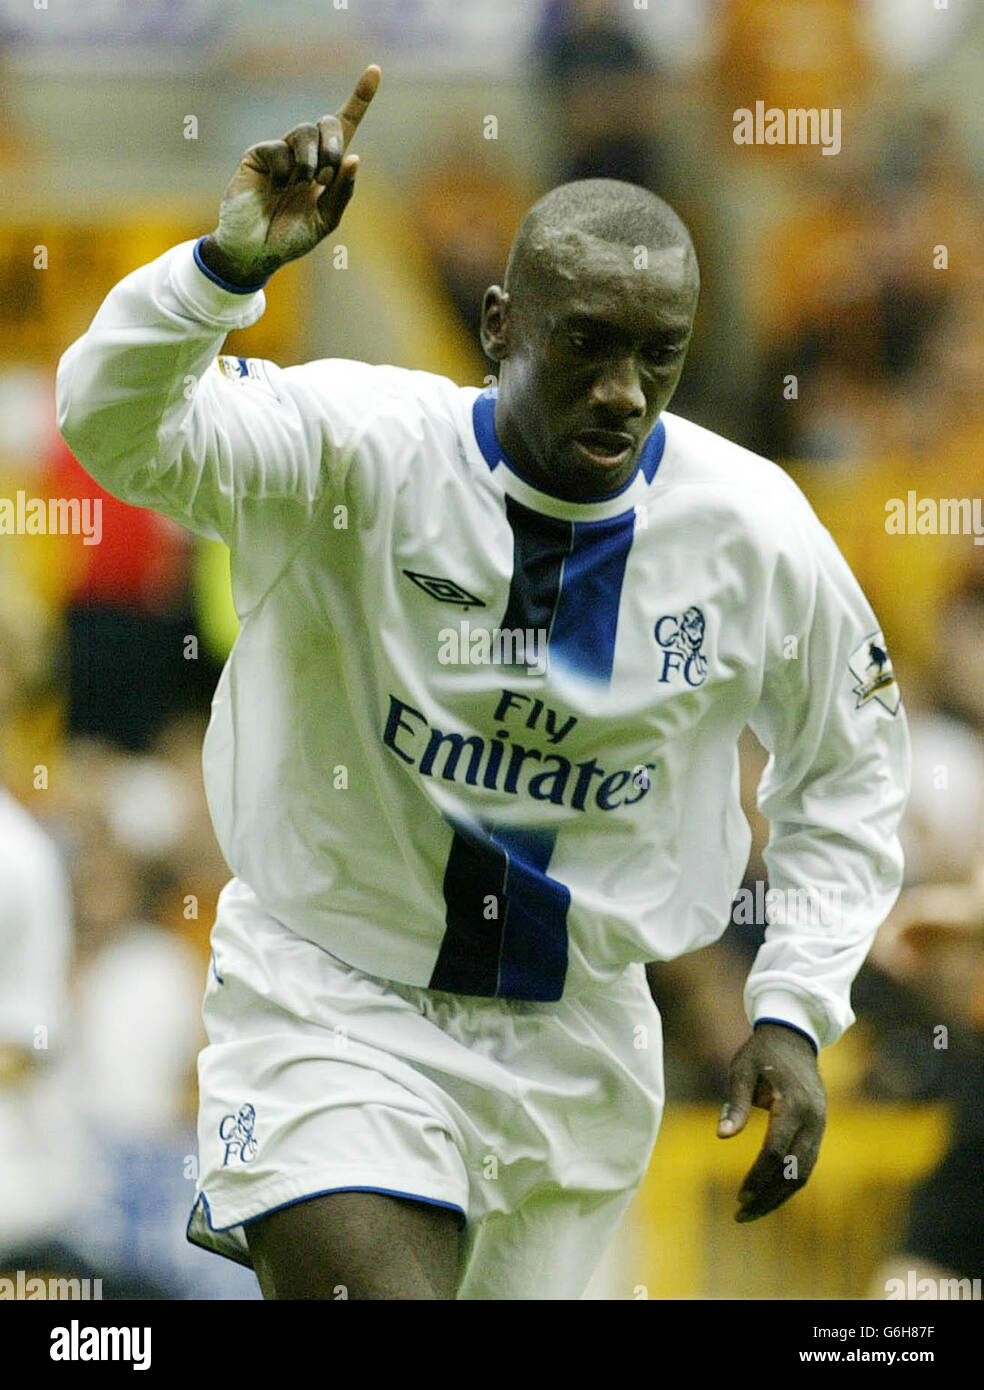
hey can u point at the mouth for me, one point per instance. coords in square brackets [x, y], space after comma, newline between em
[606, 449]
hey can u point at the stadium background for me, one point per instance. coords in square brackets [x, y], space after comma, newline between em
[119, 126]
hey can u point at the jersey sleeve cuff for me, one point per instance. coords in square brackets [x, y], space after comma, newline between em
[206, 299]
[776, 1006]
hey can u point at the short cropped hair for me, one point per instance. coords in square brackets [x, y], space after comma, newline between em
[624, 214]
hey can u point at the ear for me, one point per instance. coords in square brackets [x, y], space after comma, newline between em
[495, 323]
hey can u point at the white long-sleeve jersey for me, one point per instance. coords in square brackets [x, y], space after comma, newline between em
[478, 738]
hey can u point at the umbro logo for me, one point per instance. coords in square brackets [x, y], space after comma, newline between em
[444, 590]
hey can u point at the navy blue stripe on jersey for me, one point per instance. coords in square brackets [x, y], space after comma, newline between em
[533, 963]
[541, 545]
[506, 918]
[567, 582]
[474, 879]
[586, 617]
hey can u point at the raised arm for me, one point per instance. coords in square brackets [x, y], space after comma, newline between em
[143, 401]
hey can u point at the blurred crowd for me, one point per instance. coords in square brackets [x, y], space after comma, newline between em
[834, 336]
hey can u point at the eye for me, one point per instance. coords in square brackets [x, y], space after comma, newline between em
[579, 342]
[661, 354]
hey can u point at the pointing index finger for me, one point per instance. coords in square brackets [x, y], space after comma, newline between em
[358, 103]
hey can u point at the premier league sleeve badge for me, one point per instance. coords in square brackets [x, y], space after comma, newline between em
[871, 666]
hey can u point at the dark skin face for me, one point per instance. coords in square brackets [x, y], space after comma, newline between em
[590, 351]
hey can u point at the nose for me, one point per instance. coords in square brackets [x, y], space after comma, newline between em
[617, 389]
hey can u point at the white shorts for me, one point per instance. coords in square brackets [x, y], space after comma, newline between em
[535, 1121]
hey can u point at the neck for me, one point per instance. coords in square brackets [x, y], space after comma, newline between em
[514, 447]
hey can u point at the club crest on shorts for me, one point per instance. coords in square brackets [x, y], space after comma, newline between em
[871, 666]
[682, 640]
[236, 1132]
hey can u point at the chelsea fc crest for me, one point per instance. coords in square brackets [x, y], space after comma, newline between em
[682, 640]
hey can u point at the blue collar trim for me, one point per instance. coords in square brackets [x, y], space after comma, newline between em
[483, 421]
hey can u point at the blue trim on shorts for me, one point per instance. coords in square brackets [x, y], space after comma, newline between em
[325, 1192]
